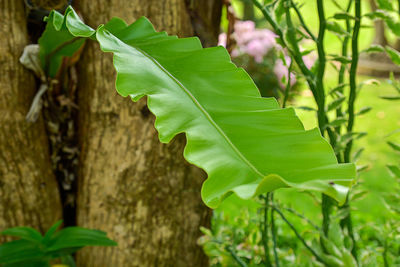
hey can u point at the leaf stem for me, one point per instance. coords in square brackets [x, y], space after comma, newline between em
[55, 50]
[318, 257]
[384, 253]
[235, 256]
[264, 229]
[302, 217]
[302, 22]
[295, 52]
[274, 234]
[287, 89]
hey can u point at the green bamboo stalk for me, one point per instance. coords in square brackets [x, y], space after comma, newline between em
[321, 66]
[352, 98]
[339, 112]
[353, 73]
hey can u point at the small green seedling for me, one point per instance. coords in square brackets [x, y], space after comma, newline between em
[35, 250]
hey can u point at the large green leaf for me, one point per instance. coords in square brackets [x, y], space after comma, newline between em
[247, 144]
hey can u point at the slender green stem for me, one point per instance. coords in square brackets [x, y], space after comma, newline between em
[352, 98]
[295, 52]
[326, 209]
[327, 202]
[301, 216]
[264, 230]
[57, 49]
[235, 256]
[342, 71]
[317, 256]
[384, 253]
[287, 89]
[302, 22]
[274, 233]
[353, 72]
[267, 15]
[321, 66]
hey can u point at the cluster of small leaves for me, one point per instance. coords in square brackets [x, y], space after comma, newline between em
[239, 243]
[35, 250]
[225, 244]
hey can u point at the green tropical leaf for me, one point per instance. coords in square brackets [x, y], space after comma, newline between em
[57, 42]
[247, 144]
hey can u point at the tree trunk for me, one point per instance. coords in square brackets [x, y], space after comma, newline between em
[379, 25]
[28, 189]
[141, 192]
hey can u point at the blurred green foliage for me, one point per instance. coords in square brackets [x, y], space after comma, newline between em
[374, 200]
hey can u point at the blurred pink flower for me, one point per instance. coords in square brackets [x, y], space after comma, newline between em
[257, 49]
[252, 41]
[309, 60]
[281, 71]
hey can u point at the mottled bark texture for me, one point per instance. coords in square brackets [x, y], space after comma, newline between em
[141, 192]
[28, 190]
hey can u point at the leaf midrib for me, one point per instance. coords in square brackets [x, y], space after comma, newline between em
[201, 108]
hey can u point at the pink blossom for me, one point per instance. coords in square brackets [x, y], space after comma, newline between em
[244, 26]
[257, 49]
[252, 41]
[309, 60]
[281, 71]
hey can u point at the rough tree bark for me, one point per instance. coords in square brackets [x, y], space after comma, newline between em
[140, 191]
[28, 189]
